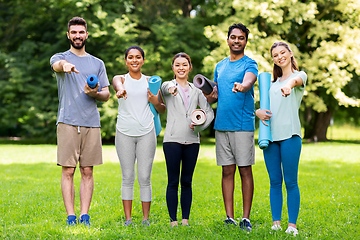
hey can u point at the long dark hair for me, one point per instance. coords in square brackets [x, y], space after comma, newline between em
[277, 72]
[184, 55]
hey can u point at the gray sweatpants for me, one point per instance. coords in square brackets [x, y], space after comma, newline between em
[130, 149]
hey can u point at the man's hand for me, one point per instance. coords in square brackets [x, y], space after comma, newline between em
[69, 67]
[213, 96]
[91, 91]
[238, 87]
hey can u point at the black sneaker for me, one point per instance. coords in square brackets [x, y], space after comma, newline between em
[245, 225]
[229, 221]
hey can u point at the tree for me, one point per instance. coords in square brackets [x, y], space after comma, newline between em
[323, 36]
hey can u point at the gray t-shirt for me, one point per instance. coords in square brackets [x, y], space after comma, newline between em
[75, 107]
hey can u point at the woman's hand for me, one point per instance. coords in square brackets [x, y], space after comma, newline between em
[173, 91]
[263, 115]
[285, 91]
[154, 99]
[121, 94]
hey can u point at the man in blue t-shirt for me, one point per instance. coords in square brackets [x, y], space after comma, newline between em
[78, 120]
[235, 122]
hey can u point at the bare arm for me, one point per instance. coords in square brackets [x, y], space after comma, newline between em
[64, 66]
[294, 82]
[118, 86]
[101, 96]
[213, 96]
[246, 85]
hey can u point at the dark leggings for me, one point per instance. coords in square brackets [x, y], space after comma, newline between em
[177, 154]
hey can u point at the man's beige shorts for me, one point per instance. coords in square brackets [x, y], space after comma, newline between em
[235, 148]
[78, 144]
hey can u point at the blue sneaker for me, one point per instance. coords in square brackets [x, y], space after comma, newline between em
[245, 225]
[84, 219]
[71, 220]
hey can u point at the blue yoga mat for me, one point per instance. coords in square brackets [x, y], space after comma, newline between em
[154, 87]
[264, 131]
[92, 80]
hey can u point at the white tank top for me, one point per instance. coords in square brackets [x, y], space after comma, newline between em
[134, 114]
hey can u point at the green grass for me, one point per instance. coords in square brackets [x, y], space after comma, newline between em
[31, 205]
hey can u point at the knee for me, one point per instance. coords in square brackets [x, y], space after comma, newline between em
[144, 181]
[246, 172]
[290, 185]
[186, 183]
[276, 181]
[68, 172]
[86, 172]
[128, 180]
[228, 171]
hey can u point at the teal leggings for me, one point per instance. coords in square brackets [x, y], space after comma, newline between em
[282, 162]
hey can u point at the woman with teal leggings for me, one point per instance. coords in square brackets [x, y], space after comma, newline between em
[283, 153]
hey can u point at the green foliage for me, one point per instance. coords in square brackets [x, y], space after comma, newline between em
[321, 33]
[323, 36]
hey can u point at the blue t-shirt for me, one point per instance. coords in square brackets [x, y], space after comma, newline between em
[235, 111]
[75, 107]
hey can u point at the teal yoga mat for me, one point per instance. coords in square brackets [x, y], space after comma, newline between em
[154, 86]
[264, 131]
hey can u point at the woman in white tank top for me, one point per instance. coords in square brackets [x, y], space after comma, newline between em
[135, 137]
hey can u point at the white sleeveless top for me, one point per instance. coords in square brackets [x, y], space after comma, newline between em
[134, 114]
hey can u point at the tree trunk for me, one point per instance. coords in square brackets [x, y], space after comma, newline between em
[317, 125]
[186, 7]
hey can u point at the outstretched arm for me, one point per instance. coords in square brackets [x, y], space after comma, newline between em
[246, 85]
[294, 82]
[64, 66]
[118, 86]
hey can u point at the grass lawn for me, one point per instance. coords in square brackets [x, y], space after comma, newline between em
[31, 205]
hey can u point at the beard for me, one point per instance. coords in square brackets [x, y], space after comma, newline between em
[76, 46]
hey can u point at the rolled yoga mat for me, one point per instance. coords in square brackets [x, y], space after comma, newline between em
[92, 80]
[198, 117]
[264, 131]
[204, 84]
[154, 86]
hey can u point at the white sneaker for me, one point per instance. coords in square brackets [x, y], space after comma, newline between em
[292, 230]
[276, 227]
